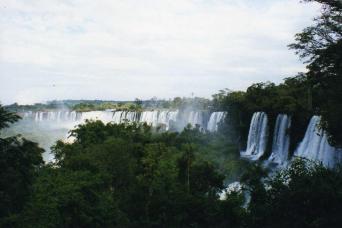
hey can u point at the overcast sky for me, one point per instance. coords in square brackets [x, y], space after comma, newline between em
[121, 50]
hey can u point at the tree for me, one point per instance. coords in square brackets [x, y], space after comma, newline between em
[7, 118]
[303, 195]
[72, 199]
[128, 175]
[20, 161]
[320, 46]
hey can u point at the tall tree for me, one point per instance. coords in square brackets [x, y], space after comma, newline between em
[320, 46]
[7, 118]
[19, 160]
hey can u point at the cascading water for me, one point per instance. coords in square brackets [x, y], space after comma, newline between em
[52, 116]
[281, 140]
[129, 117]
[214, 120]
[117, 117]
[169, 118]
[155, 118]
[149, 117]
[104, 116]
[194, 118]
[316, 147]
[257, 137]
[158, 118]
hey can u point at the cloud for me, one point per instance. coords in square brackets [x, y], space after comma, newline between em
[125, 49]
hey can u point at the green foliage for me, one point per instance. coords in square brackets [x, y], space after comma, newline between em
[71, 199]
[7, 118]
[291, 97]
[303, 195]
[20, 161]
[129, 175]
[124, 106]
[84, 107]
[320, 45]
[196, 103]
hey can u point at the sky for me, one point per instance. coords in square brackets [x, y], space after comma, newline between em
[122, 50]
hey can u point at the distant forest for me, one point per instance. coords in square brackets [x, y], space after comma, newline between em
[93, 105]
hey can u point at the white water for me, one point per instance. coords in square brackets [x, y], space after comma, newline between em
[214, 120]
[232, 187]
[53, 116]
[281, 140]
[158, 118]
[196, 118]
[257, 137]
[46, 127]
[315, 146]
[104, 116]
[153, 118]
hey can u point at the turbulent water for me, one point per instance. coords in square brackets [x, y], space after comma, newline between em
[214, 120]
[158, 118]
[281, 140]
[257, 137]
[52, 116]
[315, 146]
[46, 127]
[155, 118]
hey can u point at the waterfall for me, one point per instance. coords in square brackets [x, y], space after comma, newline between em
[116, 118]
[129, 117]
[171, 118]
[27, 114]
[163, 118]
[52, 116]
[149, 117]
[315, 146]
[281, 140]
[195, 118]
[214, 120]
[158, 118]
[155, 118]
[104, 116]
[257, 137]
